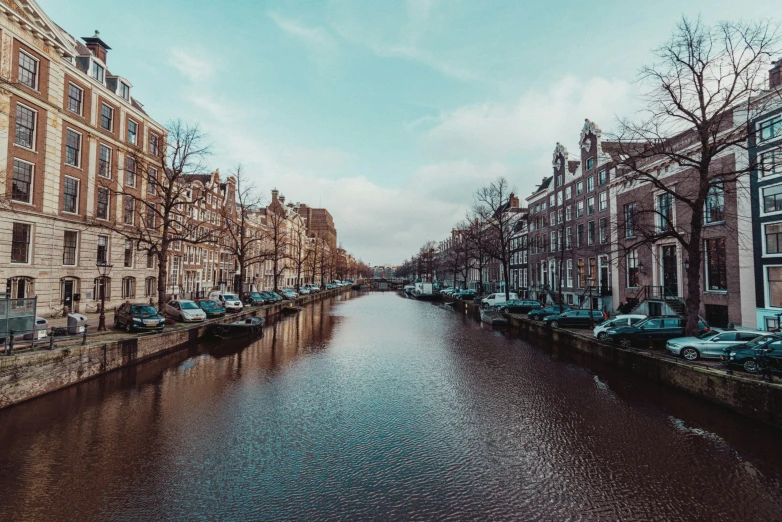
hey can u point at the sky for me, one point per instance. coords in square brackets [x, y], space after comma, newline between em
[391, 114]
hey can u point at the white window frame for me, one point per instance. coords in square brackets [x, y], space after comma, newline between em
[35, 128]
[32, 182]
[569, 272]
[764, 241]
[100, 116]
[95, 67]
[774, 151]
[76, 253]
[81, 99]
[602, 201]
[767, 287]
[762, 200]
[127, 137]
[79, 151]
[37, 70]
[78, 193]
[124, 89]
[108, 203]
[102, 146]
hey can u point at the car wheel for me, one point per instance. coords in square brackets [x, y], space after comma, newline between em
[555, 324]
[751, 366]
[116, 323]
[691, 354]
[625, 342]
[602, 336]
[128, 327]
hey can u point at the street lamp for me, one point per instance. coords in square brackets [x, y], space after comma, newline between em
[104, 269]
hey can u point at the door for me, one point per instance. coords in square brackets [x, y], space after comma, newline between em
[670, 272]
[67, 297]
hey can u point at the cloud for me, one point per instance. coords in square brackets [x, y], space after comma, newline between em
[317, 39]
[192, 64]
[416, 54]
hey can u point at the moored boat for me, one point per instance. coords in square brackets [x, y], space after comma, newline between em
[248, 326]
[425, 292]
[290, 310]
[493, 317]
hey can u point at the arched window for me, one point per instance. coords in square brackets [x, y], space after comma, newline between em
[21, 287]
[150, 287]
[128, 287]
[101, 286]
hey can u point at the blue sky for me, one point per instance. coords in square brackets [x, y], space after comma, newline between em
[388, 113]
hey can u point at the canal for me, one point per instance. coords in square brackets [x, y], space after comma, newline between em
[375, 406]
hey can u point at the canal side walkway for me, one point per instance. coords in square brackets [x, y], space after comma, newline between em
[746, 394]
[33, 372]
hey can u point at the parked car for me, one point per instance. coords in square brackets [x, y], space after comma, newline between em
[466, 295]
[289, 294]
[313, 288]
[254, 299]
[142, 317]
[304, 291]
[616, 322]
[184, 310]
[652, 329]
[541, 313]
[211, 308]
[497, 298]
[711, 344]
[747, 355]
[577, 318]
[227, 300]
[448, 291]
[519, 306]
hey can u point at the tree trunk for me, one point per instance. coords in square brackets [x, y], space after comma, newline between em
[162, 275]
[694, 258]
[506, 274]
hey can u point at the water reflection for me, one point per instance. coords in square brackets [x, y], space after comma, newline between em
[380, 407]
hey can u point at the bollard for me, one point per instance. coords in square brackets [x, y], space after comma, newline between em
[84, 336]
[11, 342]
[51, 340]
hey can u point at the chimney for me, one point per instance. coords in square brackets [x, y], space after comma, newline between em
[275, 192]
[97, 46]
[775, 75]
[282, 199]
[513, 200]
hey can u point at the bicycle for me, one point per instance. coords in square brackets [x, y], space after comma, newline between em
[58, 311]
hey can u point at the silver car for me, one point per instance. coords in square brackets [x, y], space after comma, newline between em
[184, 310]
[710, 344]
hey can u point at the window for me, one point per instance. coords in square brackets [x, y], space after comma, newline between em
[132, 132]
[603, 230]
[579, 209]
[151, 216]
[590, 163]
[69, 248]
[774, 286]
[106, 117]
[152, 180]
[550, 200]
[569, 213]
[716, 273]
[553, 242]
[665, 212]
[772, 323]
[103, 250]
[75, 99]
[130, 171]
[28, 70]
[24, 135]
[602, 203]
[150, 286]
[568, 238]
[770, 163]
[558, 182]
[632, 269]
[150, 260]
[773, 238]
[128, 253]
[590, 183]
[569, 272]
[124, 90]
[771, 128]
[630, 220]
[23, 181]
[72, 148]
[590, 206]
[568, 192]
[130, 207]
[552, 217]
[591, 233]
[104, 161]
[602, 177]
[581, 274]
[579, 187]
[97, 72]
[559, 216]
[772, 199]
[103, 203]
[715, 204]
[154, 141]
[70, 195]
[580, 235]
[128, 287]
[20, 243]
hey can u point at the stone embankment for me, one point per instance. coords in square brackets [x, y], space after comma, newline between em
[29, 375]
[743, 393]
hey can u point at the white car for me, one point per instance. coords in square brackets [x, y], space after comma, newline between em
[498, 298]
[619, 320]
[229, 301]
[304, 291]
[184, 310]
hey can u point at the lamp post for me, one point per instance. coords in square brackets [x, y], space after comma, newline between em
[104, 269]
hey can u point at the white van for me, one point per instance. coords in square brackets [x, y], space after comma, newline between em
[495, 299]
[229, 301]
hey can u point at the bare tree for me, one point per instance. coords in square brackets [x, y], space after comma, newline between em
[301, 251]
[277, 241]
[476, 235]
[162, 215]
[494, 207]
[241, 234]
[703, 90]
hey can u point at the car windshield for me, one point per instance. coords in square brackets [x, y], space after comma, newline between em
[757, 341]
[208, 304]
[143, 310]
[230, 297]
[707, 335]
[255, 294]
[188, 305]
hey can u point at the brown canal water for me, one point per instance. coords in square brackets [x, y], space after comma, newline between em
[375, 406]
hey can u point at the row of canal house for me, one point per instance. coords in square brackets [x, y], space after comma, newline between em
[579, 242]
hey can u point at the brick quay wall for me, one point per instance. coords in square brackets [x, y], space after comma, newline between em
[28, 375]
